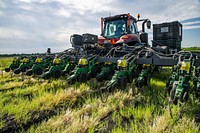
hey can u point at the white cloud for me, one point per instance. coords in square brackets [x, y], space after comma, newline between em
[1, 13]
[26, 7]
[191, 27]
[50, 23]
[82, 6]
[28, 1]
[9, 33]
[192, 23]
[25, 18]
[63, 12]
[2, 4]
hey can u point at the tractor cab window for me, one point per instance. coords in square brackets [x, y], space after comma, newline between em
[133, 27]
[114, 28]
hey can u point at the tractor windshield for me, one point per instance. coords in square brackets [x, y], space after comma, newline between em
[114, 28]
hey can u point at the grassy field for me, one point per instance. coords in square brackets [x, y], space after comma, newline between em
[36, 105]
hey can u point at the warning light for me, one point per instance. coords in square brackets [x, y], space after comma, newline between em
[138, 16]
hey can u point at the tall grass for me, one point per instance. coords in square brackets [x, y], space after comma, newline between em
[75, 109]
[5, 62]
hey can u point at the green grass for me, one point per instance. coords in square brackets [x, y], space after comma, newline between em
[5, 62]
[54, 106]
[192, 49]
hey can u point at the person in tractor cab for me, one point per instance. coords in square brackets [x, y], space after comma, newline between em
[56, 61]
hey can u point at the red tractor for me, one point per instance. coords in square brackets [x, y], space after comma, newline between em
[123, 28]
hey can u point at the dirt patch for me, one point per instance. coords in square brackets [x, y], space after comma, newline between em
[37, 117]
[111, 124]
[10, 124]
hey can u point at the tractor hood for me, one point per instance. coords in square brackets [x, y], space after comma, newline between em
[102, 40]
[129, 38]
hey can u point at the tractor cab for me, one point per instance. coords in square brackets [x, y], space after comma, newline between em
[121, 29]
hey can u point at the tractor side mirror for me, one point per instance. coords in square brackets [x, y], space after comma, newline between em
[148, 24]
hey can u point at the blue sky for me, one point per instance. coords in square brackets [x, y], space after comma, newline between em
[30, 26]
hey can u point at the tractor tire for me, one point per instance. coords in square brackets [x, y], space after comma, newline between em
[57, 73]
[7, 69]
[82, 77]
[123, 82]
